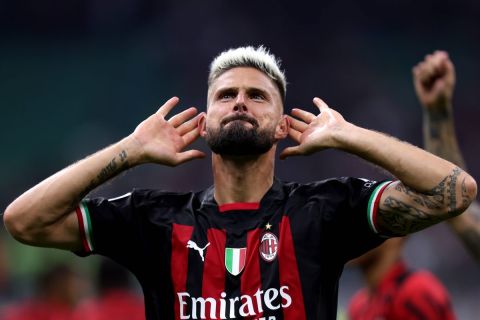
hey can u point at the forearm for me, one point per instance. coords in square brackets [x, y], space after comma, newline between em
[414, 167]
[439, 134]
[34, 212]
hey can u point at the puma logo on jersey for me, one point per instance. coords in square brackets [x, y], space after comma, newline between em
[194, 246]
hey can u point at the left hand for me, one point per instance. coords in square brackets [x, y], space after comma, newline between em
[313, 133]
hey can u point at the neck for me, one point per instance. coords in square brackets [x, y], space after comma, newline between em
[242, 179]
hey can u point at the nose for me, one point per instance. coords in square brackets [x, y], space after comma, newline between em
[240, 105]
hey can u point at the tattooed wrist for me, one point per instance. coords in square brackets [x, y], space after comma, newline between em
[117, 164]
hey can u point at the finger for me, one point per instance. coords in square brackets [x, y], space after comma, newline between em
[425, 72]
[303, 115]
[450, 68]
[191, 136]
[290, 152]
[189, 125]
[297, 124]
[167, 106]
[189, 155]
[294, 134]
[322, 106]
[183, 116]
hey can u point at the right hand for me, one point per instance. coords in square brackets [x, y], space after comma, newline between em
[162, 141]
[434, 81]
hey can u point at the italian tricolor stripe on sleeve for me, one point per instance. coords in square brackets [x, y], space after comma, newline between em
[373, 204]
[83, 216]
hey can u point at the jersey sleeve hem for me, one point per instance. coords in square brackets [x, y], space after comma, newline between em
[85, 225]
[373, 204]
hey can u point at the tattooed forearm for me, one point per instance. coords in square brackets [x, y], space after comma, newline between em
[406, 210]
[113, 167]
[439, 137]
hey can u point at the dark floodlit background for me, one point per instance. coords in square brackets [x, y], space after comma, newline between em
[76, 76]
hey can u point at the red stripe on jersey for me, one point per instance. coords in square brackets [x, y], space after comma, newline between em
[288, 270]
[250, 280]
[179, 261]
[239, 206]
[376, 204]
[81, 225]
[214, 268]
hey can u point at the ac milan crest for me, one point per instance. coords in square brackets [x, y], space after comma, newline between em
[268, 246]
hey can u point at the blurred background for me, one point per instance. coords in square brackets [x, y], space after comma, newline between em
[76, 76]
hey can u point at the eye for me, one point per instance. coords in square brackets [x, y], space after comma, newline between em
[257, 96]
[227, 95]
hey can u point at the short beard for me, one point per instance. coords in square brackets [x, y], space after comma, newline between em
[237, 140]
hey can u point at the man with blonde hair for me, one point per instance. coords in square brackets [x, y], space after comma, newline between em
[272, 250]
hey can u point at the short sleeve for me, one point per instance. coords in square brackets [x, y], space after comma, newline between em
[352, 224]
[112, 227]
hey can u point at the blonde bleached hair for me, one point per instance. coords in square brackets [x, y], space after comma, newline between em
[259, 58]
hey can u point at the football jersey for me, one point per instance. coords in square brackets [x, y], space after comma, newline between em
[277, 259]
[403, 294]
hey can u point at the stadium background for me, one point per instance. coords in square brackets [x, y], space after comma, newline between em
[77, 75]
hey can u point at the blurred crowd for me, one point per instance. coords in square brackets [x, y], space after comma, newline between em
[63, 292]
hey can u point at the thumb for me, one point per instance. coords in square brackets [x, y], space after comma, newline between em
[290, 151]
[189, 155]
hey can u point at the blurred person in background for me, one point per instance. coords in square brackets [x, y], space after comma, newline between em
[249, 246]
[116, 299]
[393, 291]
[58, 291]
[434, 81]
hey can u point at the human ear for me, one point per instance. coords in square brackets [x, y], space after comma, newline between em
[281, 131]
[202, 125]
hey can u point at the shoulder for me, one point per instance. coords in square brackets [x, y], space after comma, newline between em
[341, 184]
[158, 198]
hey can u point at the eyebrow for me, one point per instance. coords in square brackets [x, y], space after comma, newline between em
[249, 90]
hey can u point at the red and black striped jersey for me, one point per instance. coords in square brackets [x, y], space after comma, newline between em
[403, 294]
[277, 259]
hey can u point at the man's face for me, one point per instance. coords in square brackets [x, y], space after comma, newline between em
[244, 114]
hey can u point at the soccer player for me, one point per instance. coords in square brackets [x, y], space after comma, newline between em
[250, 246]
[434, 81]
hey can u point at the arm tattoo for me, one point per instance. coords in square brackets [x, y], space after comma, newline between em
[408, 211]
[402, 218]
[452, 191]
[113, 167]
